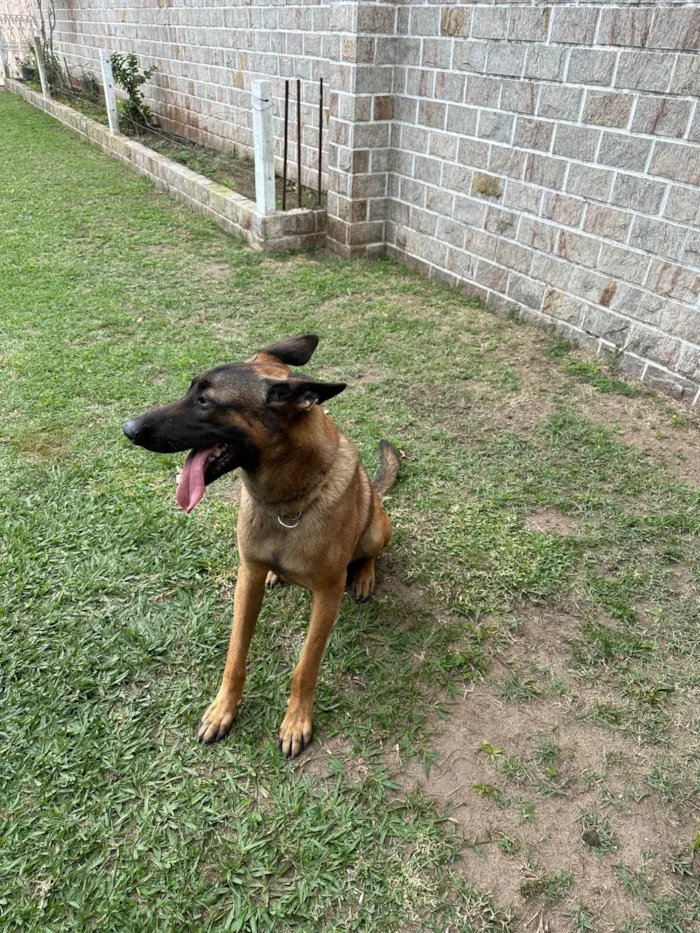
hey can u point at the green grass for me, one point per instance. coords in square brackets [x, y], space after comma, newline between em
[116, 607]
[597, 377]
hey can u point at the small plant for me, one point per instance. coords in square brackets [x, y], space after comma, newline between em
[559, 348]
[596, 832]
[129, 78]
[509, 845]
[547, 752]
[527, 812]
[583, 919]
[488, 790]
[516, 689]
[513, 767]
[595, 376]
[680, 861]
[490, 750]
[547, 887]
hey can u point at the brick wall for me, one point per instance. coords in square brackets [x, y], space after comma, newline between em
[546, 155]
[542, 156]
[207, 56]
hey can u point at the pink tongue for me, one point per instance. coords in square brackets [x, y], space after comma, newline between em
[191, 487]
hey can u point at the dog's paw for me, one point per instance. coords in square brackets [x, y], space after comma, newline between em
[361, 582]
[216, 723]
[295, 733]
[273, 580]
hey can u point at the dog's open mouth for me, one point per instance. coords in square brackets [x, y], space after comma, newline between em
[203, 466]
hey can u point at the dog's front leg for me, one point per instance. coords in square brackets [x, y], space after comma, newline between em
[297, 726]
[218, 719]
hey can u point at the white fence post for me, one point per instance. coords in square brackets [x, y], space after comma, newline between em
[261, 101]
[39, 52]
[110, 96]
[5, 70]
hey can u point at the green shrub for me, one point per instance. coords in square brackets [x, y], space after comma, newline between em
[129, 78]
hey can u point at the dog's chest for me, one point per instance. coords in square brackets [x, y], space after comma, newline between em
[288, 551]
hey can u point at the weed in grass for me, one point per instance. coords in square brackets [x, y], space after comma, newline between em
[488, 790]
[583, 919]
[603, 645]
[513, 767]
[527, 812]
[596, 832]
[464, 665]
[509, 845]
[547, 752]
[680, 861]
[595, 376]
[559, 348]
[517, 689]
[491, 750]
[638, 883]
[549, 887]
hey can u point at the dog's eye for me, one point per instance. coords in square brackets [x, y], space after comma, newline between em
[202, 400]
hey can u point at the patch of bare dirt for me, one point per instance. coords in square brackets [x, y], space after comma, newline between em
[551, 841]
[662, 429]
[371, 373]
[522, 821]
[215, 270]
[159, 249]
[551, 520]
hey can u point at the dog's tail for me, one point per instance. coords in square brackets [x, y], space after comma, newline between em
[388, 469]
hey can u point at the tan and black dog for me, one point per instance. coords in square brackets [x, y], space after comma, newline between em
[308, 514]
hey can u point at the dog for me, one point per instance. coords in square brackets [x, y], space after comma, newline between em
[309, 514]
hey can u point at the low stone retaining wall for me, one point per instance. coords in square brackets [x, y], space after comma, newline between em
[299, 229]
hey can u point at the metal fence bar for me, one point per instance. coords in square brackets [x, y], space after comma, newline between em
[320, 135]
[286, 141]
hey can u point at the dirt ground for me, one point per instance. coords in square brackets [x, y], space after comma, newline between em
[555, 810]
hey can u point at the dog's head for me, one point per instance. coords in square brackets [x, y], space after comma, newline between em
[231, 414]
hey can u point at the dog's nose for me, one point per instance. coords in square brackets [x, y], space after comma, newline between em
[131, 428]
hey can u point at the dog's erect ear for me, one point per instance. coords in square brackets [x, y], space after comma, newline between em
[301, 394]
[297, 351]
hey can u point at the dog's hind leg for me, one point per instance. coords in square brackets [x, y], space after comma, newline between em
[297, 726]
[250, 588]
[377, 535]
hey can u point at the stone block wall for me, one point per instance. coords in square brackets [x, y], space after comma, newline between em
[546, 156]
[543, 156]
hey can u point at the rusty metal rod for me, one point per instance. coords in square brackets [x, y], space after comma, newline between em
[299, 139]
[320, 135]
[286, 138]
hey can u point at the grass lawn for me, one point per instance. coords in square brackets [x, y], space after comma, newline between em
[529, 666]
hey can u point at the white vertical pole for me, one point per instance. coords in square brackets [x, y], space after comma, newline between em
[5, 70]
[110, 96]
[261, 100]
[39, 52]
